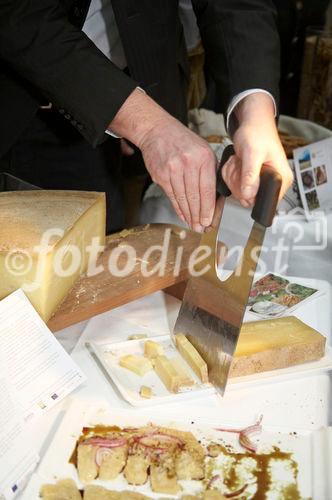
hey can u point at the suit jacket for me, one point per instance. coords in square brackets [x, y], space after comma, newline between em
[45, 57]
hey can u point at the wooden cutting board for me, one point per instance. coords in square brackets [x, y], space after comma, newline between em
[92, 295]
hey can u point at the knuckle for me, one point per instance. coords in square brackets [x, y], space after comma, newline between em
[172, 167]
[248, 176]
[186, 157]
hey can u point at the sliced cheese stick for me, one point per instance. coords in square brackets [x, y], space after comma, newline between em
[192, 356]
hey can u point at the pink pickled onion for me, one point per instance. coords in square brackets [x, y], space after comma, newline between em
[102, 453]
[212, 481]
[244, 434]
[166, 438]
[105, 442]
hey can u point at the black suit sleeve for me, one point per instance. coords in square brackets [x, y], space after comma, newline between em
[39, 43]
[241, 43]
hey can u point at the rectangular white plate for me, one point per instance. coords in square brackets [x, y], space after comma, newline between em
[311, 450]
[129, 384]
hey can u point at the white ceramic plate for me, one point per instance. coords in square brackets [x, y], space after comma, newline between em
[128, 383]
[312, 451]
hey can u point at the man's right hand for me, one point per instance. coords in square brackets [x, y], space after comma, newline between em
[177, 159]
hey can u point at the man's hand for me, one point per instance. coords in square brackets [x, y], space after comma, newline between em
[256, 142]
[178, 160]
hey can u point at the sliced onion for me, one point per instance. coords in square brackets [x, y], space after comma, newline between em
[244, 434]
[234, 494]
[212, 481]
[244, 438]
[102, 453]
[105, 442]
[166, 438]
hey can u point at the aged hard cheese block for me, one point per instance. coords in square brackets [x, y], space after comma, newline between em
[278, 343]
[28, 257]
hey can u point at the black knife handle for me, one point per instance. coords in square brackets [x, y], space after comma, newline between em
[268, 193]
[267, 197]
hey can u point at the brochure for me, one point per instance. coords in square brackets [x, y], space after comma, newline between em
[313, 168]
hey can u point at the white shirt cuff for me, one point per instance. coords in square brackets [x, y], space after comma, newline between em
[109, 132]
[235, 101]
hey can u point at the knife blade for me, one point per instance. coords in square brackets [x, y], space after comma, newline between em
[212, 310]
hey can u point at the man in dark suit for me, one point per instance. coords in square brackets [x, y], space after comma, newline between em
[57, 87]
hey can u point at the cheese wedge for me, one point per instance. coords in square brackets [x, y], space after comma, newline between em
[192, 356]
[136, 364]
[44, 237]
[275, 343]
[152, 349]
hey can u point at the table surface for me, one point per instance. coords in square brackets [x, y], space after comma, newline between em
[302, 402]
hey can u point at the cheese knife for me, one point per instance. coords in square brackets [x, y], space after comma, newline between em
[212, 310]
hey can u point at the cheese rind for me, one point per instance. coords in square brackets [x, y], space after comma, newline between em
[152, 349]
[192, 356]
[71, 218]
[136, 364]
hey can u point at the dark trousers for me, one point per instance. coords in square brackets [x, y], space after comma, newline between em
[51, 154]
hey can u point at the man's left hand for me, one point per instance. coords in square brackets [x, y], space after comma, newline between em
[256, 142]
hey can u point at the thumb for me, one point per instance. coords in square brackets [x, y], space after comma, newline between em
[250, 172]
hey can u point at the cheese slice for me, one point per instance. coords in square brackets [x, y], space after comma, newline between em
[136, 364]
[167, 373]
[192, 356]
[172, 374]
[153, 349]
[44, 236]
[185, 378]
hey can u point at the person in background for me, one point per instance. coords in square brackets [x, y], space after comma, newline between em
[294, 16]
[78, 75]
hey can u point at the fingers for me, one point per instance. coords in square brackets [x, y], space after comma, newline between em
[207, 188]
[177, 184]
[287, 178]
[171, 196]
[252, 162]
[191, 178]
